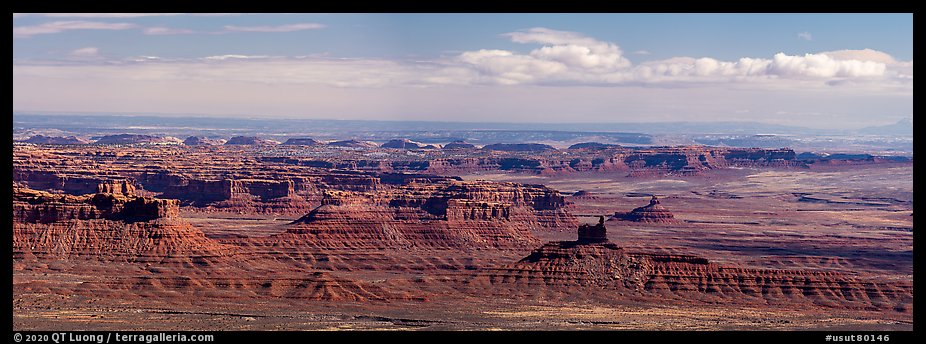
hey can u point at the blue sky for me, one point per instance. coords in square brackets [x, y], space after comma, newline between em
[613, 67]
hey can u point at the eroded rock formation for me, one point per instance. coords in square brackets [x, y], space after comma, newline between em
[55, 140]
[304, 141]
[31, 206]
[459, 145]
[249, 140]
[202, 141]
[592, 146]
[603, 264]
[442, 213]
[74, 184]
[653, 212]
[402, 144]
[593, 234]
[104, 226]
[518, 147]
[353, 143]
[126, 139]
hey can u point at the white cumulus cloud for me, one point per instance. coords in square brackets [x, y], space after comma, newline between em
[822, 65]
[571, 58]
[564, 56]
[562, 59]
[862, 55]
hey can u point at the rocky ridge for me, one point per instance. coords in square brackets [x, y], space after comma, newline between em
[602, 264]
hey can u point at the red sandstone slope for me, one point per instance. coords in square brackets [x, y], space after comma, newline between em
[449, 214]
[104, 226]
[682, 278]
[127, 247]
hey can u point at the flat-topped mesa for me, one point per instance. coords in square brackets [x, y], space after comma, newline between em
[593, 146]
[74, 184]
[261, 195]
[32, 206]
[302, 141]
[353, 144]
[402, 144]
[249, 140]
[444, 213]
[593, 234]
[459, 145]
[107, 227]
[518, 147]
[126, 139]
[651, 213]
[55, 140]
[566, 265]
[202, 141]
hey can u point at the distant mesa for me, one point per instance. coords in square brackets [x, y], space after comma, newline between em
[518, 147]
[593, 146]
[55, 140]
[303, 141]
[202, 141]
[459, 145]
[654, 212]
[746, 141]
[403, 144]
[127, 139]
[582, 193]
[838, 156]
[812, 158]
[249, 140]
[353, 143]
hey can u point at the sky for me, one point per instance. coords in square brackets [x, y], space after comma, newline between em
[837, 71]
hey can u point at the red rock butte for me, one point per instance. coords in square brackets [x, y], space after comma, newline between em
[168, 236]
[593, 261]
[653, 212]
[597, 233]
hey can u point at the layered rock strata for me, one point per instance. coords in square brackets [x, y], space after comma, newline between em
[605, 265]
[106, 227]
[653, 212]
[443, 214]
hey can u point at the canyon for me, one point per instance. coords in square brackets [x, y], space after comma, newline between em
[460, 238]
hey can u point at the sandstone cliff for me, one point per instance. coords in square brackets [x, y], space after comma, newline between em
[446, 213]
[106, 227]
[74, 184]
[684, 278]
